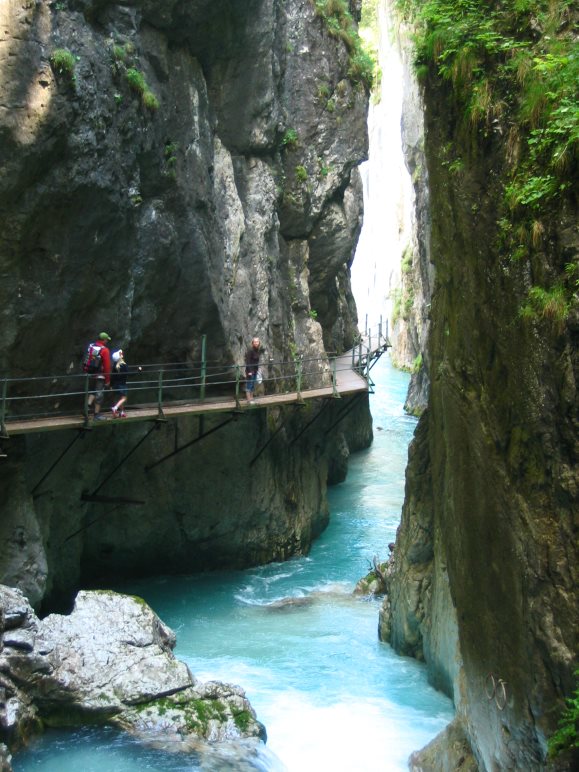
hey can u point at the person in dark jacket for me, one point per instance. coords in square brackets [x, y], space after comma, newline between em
[251, 368]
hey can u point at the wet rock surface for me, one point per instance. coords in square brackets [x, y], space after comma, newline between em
[110, 662]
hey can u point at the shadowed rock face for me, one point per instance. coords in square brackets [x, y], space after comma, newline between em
[151, 191]
[484, 574]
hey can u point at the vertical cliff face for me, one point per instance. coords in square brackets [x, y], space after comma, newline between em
[484, 574]
[172, 170]
[417, 270]
[150, 183]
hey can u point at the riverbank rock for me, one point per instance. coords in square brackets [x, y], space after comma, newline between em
[376, 580]
[110, 662]
[449, 751]
[5, 759]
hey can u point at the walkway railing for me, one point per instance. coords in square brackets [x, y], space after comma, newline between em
[171, 384]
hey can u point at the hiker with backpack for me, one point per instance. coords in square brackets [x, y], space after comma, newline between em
[119, 375]
[97, 363]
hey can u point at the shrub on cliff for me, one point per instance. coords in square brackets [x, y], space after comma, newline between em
[63, 62]
[566, 738]
[340, 24]
[137, 83]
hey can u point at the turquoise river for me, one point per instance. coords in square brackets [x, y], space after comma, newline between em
[332, 697]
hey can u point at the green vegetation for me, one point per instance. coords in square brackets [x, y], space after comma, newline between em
[293, 285]
[406, 264]
[512, 69]
[242, 719]
[170, 152]
[196, 713]
[340, 24]
[150, 101]
[123, 68]
[120, 53]
[550, 305]
[138, 84]
[417, 364]
[293, 349]
[170, 157]
[324, 168]
[567, 736]
[513, 64]
[136, 80]
[63, 62]
[290, 139]
[313, 314]
[301, 173]
[396, 304]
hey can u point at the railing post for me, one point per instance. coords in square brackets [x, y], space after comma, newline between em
[366, 325]
[380, 331]
[237, 379]
[3, 432]
[386, 330]
[160, 395]
[360, 357]
[86, 393]
[298, 362]
[203, 365]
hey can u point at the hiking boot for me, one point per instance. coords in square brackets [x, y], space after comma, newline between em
[115, 412]
[100, 417]
[123, 414]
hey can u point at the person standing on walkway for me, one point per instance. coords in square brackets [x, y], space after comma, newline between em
[119, 375]
[102, 378]
[251, 368]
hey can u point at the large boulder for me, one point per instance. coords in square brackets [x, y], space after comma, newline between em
[110, 662]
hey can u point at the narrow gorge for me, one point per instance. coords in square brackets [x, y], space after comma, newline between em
[184, 174]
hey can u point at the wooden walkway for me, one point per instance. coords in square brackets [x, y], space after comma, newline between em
[348, 381]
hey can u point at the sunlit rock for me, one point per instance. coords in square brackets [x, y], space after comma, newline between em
[110, 662]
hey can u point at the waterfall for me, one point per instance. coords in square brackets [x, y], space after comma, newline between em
[388, 192]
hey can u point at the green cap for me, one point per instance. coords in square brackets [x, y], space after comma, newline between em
[104, 336]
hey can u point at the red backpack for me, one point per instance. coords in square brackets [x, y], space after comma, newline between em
[92, 361]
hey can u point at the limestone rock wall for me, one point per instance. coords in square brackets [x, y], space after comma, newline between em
[179, 175]
[484, 574]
